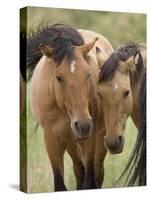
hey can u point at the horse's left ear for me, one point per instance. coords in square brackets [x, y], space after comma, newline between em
[129, 64]
[87, 47]
[136, 58]
[47, 51]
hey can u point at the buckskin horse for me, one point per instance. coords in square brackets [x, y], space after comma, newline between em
[119, 82]
[64, 97]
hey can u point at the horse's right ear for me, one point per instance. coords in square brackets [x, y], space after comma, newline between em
[129, 64]
[47, 51]
[136, 58]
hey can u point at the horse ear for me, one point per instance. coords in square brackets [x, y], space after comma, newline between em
[100, 57]
[87, 47]
[129, 64]
[136, 58]
[47, 51]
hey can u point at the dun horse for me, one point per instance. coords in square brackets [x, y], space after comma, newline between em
[119, 81]
[64, 97]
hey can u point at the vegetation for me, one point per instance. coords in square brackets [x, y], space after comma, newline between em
[118, 28]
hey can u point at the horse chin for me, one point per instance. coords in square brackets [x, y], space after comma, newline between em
[79, 136]
[115, 150]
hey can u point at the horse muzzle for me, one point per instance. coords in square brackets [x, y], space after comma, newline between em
[82, 130]
[114, 145]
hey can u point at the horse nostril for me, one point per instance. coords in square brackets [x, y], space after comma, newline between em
[86, 127]
[91, 120]
[76, 124]
[120, 139]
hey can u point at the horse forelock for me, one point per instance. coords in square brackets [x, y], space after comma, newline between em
[121, 54]
[62, 38]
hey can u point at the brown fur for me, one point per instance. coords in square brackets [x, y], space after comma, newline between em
[55, 109]
[117, 102]
[118, 93]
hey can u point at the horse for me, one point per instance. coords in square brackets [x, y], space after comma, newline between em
[64, 98]
[118, 85]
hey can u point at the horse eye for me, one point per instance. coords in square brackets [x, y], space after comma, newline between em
[126, 93]
[59, 78]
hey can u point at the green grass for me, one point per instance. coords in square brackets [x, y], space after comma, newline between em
[117, 27]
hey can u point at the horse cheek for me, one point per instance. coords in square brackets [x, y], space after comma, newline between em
[60, 97]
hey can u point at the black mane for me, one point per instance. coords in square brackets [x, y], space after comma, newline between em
[60, 37]
[135, 169]
[138, 156]
[121, 54]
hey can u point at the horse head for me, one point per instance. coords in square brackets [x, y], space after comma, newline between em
[71, 84]
[116, 96]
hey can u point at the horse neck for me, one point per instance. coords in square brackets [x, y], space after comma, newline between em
[94, 73]
[95, 100]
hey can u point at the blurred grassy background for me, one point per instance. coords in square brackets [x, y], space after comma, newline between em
[118, 28]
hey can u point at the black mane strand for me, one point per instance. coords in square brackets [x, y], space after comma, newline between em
[121, 54]
[60, 37]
